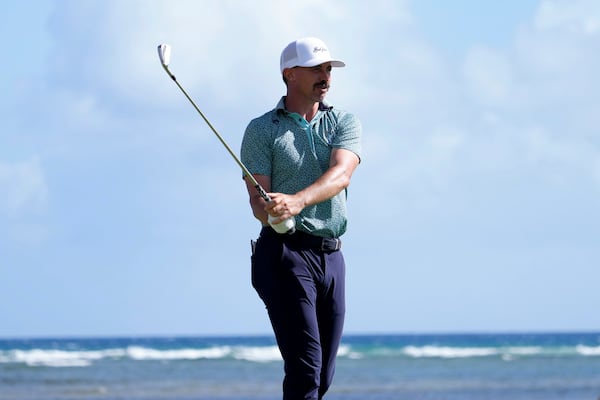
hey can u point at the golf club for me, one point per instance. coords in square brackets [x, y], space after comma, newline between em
[286, 226]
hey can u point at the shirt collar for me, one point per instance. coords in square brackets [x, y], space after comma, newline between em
[323, 105]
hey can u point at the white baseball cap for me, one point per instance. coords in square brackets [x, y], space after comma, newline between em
[307, 52]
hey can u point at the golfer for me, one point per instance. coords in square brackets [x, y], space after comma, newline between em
[303, 152]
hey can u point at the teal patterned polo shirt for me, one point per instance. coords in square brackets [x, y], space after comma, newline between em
[295, 153]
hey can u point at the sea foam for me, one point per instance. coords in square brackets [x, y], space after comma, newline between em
[143, 353]
[77, 357]
[588, 350]
[449, 352]
[57, 358]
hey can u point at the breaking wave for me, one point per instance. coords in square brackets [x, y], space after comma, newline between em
[261, 354]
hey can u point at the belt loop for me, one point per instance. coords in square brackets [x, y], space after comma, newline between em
[331, 244]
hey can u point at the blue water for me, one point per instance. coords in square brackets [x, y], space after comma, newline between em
[376, 367]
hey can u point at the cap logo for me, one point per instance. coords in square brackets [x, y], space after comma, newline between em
[319, 49]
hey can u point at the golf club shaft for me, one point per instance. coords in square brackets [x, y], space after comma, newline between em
[286, 226]
[247, 173]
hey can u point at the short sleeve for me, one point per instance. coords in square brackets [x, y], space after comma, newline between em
[256, 150]
[348, 134]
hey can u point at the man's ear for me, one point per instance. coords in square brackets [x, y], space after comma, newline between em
[288, 73]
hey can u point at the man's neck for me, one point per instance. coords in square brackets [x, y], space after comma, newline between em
[306, 110]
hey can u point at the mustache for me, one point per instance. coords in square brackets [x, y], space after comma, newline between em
[322, 85]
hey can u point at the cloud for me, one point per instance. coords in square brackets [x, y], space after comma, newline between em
[530, 104]
[429, 122]
[23, 188]
[577, 16]
[488, 76]
[107, 91]
[517, 120]
[109, 47]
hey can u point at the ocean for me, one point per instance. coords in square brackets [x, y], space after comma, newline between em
[536, 366]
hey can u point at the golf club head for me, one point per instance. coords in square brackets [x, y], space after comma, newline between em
[164, 53]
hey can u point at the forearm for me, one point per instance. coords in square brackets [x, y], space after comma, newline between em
[337, 178]
[257, 203]
[283, 206]
[258, 208]
[332, 182]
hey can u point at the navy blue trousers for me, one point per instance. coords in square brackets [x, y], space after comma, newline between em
[303, 288]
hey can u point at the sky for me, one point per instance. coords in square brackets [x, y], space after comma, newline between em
[476, 207]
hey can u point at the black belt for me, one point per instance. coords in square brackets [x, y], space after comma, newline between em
[305, 240]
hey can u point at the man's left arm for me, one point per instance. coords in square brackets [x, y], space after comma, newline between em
[342, 164]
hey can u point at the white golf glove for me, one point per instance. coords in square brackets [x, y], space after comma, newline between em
[285, 226]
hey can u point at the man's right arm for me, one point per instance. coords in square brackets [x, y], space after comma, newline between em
[256, 201]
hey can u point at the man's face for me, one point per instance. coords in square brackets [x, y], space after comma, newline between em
[311, 82]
